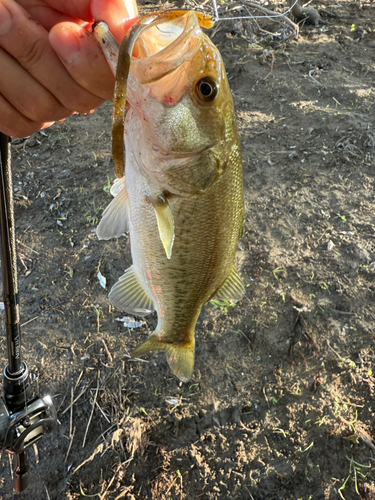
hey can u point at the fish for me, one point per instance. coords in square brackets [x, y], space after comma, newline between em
[179, 185]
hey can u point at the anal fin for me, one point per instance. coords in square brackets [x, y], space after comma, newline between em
[128, 295]
[165, 223]
[180, 357]
[115, 218]
[232, 289]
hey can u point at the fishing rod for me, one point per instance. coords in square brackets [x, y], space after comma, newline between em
[24, 416]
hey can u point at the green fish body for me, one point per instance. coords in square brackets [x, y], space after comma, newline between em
[183, 197]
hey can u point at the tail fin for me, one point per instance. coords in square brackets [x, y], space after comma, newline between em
[180, 357]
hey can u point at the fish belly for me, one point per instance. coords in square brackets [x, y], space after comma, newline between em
[207, 229]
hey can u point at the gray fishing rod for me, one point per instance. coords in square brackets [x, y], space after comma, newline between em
[24, 417]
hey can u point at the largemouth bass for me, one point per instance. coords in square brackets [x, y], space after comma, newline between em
[182, 201]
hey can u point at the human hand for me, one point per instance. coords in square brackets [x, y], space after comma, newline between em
[51, 65]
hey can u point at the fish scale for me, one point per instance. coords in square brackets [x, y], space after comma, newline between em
[183, 197]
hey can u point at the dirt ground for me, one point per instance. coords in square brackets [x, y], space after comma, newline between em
[281, 403]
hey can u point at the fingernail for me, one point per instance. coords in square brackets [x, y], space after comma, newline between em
[46, 125]
[118, 14]
[87, 26]
[5, 20]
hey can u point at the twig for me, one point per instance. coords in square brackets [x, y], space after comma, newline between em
[314, 79]
[106, 432]
[244, 335]
[30, 320]
[107, 351]
[170, 487]
[342, 312]
[99, 449]
[269, 15]
[76, 399]
[136, 359]
[48, 497]
[265, 397]
[110, 482]
[23, 244]
[78, 380]
[71, 412]
[251, 496]
[332, 349]
[92, 410]
[321, 236]
[102, 412]
[70, 443]
[272, 15]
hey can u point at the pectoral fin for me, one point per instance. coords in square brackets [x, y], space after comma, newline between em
[128, 295]
[117, 186]
[165, 222]
[232, 289]
[115, 218]
[180, 357]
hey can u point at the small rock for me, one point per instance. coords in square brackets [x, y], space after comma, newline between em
[330, 246]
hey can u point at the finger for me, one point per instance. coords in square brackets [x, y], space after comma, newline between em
[27, 95]
[27, 42]
[118, 14]
[13, 123]
[50, 12]
[83, 58]
[80, 52]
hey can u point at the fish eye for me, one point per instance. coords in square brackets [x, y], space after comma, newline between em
[206, 89]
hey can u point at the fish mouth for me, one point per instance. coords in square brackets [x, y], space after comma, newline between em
[184, 25]
[164, 47]
[173, 55]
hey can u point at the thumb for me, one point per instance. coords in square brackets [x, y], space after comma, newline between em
[83, 58]
[80, 52]
[118, 14]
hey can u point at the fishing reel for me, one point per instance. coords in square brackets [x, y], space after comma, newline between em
[23, 421]
[24, 417]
